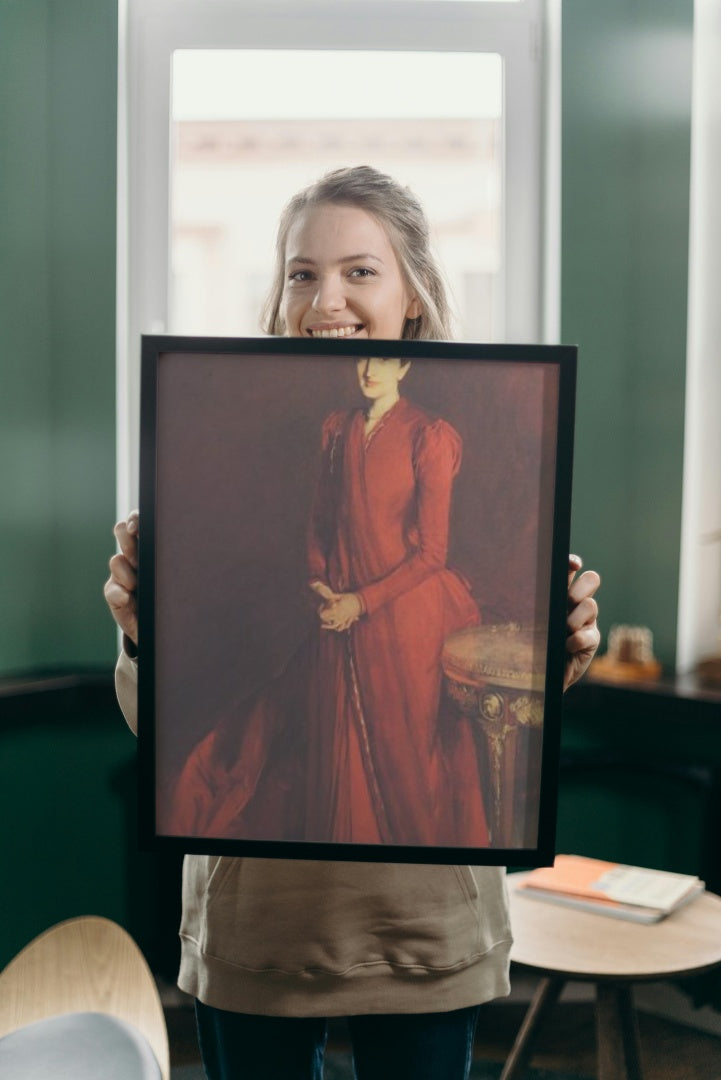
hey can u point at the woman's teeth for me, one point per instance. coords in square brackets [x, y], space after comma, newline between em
[336, 332]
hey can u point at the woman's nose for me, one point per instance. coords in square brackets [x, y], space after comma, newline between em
[329, 295]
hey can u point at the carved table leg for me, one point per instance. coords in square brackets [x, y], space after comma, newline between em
[617, 1033]
[544, 999]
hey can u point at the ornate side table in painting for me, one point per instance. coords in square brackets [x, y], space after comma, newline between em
[495, 676]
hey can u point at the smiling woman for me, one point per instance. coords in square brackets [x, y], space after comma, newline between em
[353, 257]
[332, 292]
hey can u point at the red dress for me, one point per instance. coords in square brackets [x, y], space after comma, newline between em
[383, 759]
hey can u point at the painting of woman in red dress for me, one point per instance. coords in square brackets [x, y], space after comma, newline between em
[379, 760]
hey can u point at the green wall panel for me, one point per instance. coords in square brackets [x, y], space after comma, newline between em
[58, 76]
[641, 779]
[26, 489]
[68, 796]
[82, 300]
[68, 845]
[626, 146]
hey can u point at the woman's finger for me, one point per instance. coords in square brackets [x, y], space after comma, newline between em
[126, 534]
[123, 608]
[123, 572]
[575, 562]
[584, 613]
[584, 586]
[585, 640]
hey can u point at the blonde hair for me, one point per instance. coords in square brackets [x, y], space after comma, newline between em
[403, 217]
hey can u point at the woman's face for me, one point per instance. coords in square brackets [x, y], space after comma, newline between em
[342, 277]
[379, 377]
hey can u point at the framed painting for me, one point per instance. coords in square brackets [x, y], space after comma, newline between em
[352, 597]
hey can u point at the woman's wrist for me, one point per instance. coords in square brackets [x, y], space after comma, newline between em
[130, 648]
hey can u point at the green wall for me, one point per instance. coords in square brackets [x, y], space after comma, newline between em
[626, 146]
[58, 73]
[67, 762]
[626, 137]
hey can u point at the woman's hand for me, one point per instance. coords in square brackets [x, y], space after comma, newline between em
[339, 610]
[121, 587]
[583, 635]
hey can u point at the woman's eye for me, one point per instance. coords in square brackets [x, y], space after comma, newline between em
[300, 276]
[362, 272]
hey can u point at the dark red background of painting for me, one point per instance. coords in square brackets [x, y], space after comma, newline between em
[238, 450]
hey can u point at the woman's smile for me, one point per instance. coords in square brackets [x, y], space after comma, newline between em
[325, 331]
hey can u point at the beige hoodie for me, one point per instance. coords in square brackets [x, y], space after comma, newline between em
[287, 937]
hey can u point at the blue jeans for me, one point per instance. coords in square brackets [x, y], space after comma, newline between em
[414, 1046]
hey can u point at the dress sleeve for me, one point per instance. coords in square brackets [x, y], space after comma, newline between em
[322, 524]
[436, 461]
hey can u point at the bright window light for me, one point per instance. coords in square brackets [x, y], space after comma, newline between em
[250, 127]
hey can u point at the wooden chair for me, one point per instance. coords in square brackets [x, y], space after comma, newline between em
[80, 975]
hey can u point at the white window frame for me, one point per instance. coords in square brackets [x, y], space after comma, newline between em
[526, 34]
[699, 597]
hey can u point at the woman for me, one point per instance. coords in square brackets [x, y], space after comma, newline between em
[377, 557]
[271, 948]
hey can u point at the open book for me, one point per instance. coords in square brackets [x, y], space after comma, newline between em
[607, 888]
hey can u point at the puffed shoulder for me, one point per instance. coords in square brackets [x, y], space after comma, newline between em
[438, 442]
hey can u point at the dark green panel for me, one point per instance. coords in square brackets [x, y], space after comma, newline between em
[64, 787]
[626, 817]
[626, 145]
[68, 785]
[641, 777]
[58, 75]
[26, 452]
[83, 74]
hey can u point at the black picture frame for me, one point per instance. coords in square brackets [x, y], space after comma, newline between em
[235, 671]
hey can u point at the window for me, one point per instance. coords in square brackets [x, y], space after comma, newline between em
[235, 161]
[227, 107]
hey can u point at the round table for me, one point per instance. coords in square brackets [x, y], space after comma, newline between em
[562, 944]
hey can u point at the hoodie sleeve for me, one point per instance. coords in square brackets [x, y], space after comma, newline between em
[126, 688]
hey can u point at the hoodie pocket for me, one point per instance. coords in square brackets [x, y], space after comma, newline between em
[335, 917]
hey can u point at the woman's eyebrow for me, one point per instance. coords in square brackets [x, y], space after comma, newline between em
[361, 257]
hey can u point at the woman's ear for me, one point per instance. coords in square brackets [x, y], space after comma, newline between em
[415, 309]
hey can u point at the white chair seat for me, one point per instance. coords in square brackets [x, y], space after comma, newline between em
[78, 1046]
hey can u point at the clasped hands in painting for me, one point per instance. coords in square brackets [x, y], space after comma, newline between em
[339, 610]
